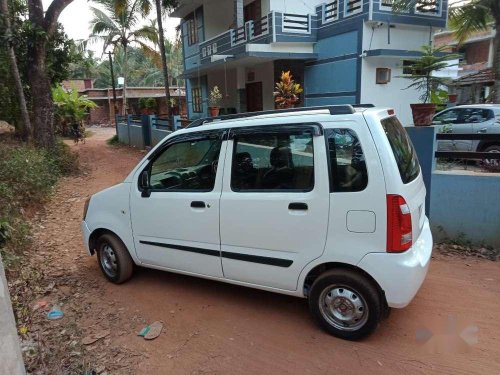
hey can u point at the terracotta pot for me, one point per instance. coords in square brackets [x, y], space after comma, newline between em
[423, 113]
[214, 111]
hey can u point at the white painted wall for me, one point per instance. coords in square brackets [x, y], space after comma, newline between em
[402, 37]
[216, 78]
[294, 6]
[264, 73]
[392, 94]
[218, 16]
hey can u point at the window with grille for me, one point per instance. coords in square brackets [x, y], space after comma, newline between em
[197, 100]
[192, 30]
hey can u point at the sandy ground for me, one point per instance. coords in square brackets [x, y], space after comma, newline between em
[215, 328]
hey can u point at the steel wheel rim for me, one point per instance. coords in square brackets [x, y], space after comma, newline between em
[108, 260]
[343, 307]
[493, 162]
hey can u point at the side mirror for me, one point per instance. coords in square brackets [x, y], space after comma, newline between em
[144, 184]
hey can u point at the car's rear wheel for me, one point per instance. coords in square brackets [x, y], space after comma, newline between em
[492, 164]
[346, 304]
[114, 260]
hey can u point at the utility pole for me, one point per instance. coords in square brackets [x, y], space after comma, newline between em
[114, 89]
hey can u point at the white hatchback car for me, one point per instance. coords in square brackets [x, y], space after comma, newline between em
[325, 203]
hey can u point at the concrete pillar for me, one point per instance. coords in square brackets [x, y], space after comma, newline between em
[239, 17]
[11, 359]
[424, 141]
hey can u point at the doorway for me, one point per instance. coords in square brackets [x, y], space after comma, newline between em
[254, 97]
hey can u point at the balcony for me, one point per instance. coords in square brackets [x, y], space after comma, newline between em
[273, 28]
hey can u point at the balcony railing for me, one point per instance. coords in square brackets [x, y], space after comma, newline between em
[331, 11]
[238, 35]
[353, 7]
[259, 27]
[429, 7]
[296, 23]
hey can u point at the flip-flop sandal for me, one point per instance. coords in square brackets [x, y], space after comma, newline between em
[154, 331]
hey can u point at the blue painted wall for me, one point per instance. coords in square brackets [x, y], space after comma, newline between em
[457, 202]
[191, 52]
[197, 82]
[424, 141]
[334, 77]
[468, 204]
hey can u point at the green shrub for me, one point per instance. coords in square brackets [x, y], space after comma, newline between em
[113, 141]
[27, 177]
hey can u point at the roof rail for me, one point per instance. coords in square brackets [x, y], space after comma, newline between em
[343, 109]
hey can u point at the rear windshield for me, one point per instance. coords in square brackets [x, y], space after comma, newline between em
[403, 150]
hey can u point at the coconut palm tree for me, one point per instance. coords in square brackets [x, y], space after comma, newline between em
[120, 28]
[161, 7]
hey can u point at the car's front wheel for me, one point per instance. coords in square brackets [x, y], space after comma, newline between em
[114, 260]
[346, 304]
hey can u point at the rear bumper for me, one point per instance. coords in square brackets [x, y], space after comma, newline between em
[401, 275]
[86, 236]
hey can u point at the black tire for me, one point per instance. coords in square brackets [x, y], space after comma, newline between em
[360, 289]
[494, 148]
[119, 267]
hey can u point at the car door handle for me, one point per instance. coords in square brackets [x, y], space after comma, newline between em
[298, 206]
[198, 204]
[483, 130]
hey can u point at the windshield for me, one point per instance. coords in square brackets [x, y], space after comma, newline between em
[402, 148]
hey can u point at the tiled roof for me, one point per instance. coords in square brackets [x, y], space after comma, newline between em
[483, 76]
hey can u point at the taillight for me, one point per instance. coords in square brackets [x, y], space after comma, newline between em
[399, 230]
[391, 112]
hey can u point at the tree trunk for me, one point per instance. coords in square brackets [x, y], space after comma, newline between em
[163, 54]
[26, 131]
[125, 74]
[41, 98]
[496, 62]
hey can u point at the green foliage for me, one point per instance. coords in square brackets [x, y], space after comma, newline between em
[61, 53]
[440, 98]
[215, 97]
[71, 108]
[27, 177]
[147, 103]
[422, 68]
[113, 141]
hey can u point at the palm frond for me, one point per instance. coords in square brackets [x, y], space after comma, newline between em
[469, 18]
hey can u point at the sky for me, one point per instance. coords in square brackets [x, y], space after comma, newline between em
[76, 16]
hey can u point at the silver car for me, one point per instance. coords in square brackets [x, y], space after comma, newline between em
[469, 119]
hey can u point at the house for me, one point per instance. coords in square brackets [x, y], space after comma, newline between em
[105, 112]
[78, 84]
[341, 51]
[474, 79]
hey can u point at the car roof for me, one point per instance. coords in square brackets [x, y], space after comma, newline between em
[484, 105]
[280, 117]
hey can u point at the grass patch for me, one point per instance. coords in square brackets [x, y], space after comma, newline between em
[27, 178]
[114, 141]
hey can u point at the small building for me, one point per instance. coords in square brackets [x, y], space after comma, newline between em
[105, 112]
[474, 79]
[340, 51]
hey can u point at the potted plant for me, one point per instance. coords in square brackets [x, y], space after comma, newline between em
[147, 105]
[422, 68]
[287, 91]
[214, 101]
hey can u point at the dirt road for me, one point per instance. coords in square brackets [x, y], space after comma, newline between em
[214, 328]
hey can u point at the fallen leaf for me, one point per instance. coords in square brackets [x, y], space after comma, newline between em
[90, 339]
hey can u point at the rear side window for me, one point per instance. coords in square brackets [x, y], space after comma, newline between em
[402, 148]
[273, 162]
[347, 161]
